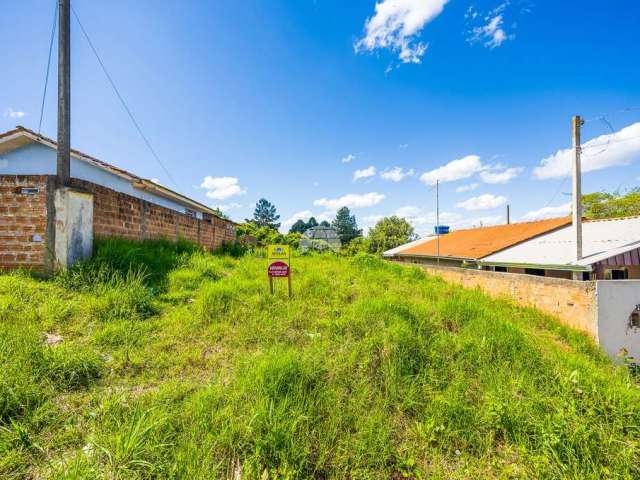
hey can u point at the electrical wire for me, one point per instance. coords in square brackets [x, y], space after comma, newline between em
[124, 104]
[46, 77]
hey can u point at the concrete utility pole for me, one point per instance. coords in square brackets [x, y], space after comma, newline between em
[508, 215]
[438, 222]
[577, 185]
[63, 170]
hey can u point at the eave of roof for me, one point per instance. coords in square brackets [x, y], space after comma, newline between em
[21, 136]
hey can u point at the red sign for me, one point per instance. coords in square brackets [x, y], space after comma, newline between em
[278, 269]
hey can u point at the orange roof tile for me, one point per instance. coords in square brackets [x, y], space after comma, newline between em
[476, 243]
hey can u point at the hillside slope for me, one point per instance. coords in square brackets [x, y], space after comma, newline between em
[373, 370]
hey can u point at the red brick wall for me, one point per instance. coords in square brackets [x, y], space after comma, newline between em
[23, 217]
[117, 214]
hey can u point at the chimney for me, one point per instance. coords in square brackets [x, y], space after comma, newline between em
[508, 215]
[577, 186]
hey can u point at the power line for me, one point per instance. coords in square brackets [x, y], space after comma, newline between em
[124, 104]
[46, 78]
[624, 110]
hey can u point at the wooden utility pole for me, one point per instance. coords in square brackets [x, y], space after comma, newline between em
[577, 185]
[438, 222]
[63, 170]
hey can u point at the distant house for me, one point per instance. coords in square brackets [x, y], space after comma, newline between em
[611, 249]
[123, 204]
[464, 248]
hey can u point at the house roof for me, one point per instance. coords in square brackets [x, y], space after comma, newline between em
[477, 243]
[21, 136]
[601, 239]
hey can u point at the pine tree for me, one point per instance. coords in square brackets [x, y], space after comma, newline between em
[265, 215]
[346, 226]
[312, 223]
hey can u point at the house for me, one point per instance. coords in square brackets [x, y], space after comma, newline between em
[610, 251]
[465, 247]
[116, 202]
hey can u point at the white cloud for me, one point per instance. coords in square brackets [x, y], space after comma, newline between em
[225, 207]
[548, 212]
[351, 200]
[221, 188]
[467, 188]
[303, 215]
[403, 146]
[364, 173]
[491, 32]
[349, 158]
[11, 113]
[504, 176]
[396, 174]
[486, 201]
[454, 170]
[395, 26]
[611, 150]
[155, 180]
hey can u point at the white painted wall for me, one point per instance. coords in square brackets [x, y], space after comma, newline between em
[37, 159]
[616, 300]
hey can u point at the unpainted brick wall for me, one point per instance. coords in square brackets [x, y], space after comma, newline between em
[23, 222]
[117, 214]
[573, 302]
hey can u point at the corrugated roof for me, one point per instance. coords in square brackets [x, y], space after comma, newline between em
[601, 239]
[476, 243]
[21, 136]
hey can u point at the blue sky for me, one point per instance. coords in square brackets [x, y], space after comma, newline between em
[289, 99]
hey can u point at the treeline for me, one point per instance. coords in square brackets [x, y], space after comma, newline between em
[611, 205]
[389, 232]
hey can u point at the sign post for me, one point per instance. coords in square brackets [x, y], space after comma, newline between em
[279, 257]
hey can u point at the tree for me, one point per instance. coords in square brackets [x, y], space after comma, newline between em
[324, 223]
[312, 223]
[390, 232]
[611, 205]
[345, 226]
[220, 213]
[299, 227]
[265, 215]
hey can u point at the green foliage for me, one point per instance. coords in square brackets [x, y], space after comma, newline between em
[390, 232]
[355, 246]
[220, 213]
[300, 226]
[611, 205]
[371, 370]
[346, 226]
[265, 215]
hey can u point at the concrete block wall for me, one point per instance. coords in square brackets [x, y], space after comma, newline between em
[23, 221]
[573, 302]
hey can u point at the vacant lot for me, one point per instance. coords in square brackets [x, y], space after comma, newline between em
[192, 370]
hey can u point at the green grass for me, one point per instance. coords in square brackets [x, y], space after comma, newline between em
[179, 364]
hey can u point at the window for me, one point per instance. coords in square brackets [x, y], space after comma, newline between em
[534, 271]
[616, 274]
[500, 269]
[191, 213]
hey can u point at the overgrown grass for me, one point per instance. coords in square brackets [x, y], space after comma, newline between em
[186, 367]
